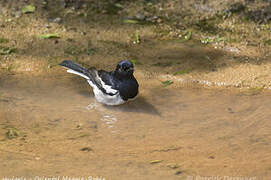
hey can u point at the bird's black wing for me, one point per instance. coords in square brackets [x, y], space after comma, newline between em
[127, 87]
[107, 78]
[104, 81]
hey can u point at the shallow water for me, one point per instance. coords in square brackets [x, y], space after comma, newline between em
[192, 132]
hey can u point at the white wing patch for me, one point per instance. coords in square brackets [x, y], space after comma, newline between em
[104, 98]
[77, 73]
[107, 88]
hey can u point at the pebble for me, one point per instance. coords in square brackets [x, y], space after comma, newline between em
[211, 157]
[203, 8]
[140, 16]
[230, 110]
[88, 149]
[57, 20]
[159, 20]
[178, 172]
[149, 19]
[155, 17]
[18, 14]
[232, 49]
[47, 26]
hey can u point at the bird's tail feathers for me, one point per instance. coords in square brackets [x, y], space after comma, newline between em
[78, 73]
[90, 74]
[75, 68]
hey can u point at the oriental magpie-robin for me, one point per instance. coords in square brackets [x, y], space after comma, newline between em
[110, 88]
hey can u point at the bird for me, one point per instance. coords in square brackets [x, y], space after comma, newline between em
[109, 87]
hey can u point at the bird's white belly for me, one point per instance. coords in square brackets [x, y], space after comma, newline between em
[104, 98]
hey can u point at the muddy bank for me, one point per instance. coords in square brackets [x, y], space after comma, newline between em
[210, 50]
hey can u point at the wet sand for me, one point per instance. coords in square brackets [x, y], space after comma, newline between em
[166, 133]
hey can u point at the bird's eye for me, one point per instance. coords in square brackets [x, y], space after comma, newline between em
[125, 68]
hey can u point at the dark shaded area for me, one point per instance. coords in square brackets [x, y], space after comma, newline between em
[190, 56]
[249, 10]
[140, 105]
[52, 9]
[261, 16]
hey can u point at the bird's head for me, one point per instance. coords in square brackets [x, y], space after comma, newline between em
[125, 68]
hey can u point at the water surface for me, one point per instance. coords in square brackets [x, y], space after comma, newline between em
[189, 131]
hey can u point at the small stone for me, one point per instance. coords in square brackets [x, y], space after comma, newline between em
[18, 14]
[57, 20]
[155, 17]
[140, 17]
[159, 20]
[178, 172]
[88, 149]
[149, 19]
[211, 157]
[44, 2]
[230, 110]
[203, 8]
[79, 126]
[47, 26]
[232, 49]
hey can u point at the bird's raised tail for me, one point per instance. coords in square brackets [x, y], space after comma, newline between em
[75, 68]
[90, 74]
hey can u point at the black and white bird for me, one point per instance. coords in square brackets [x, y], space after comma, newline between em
[110, 88]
